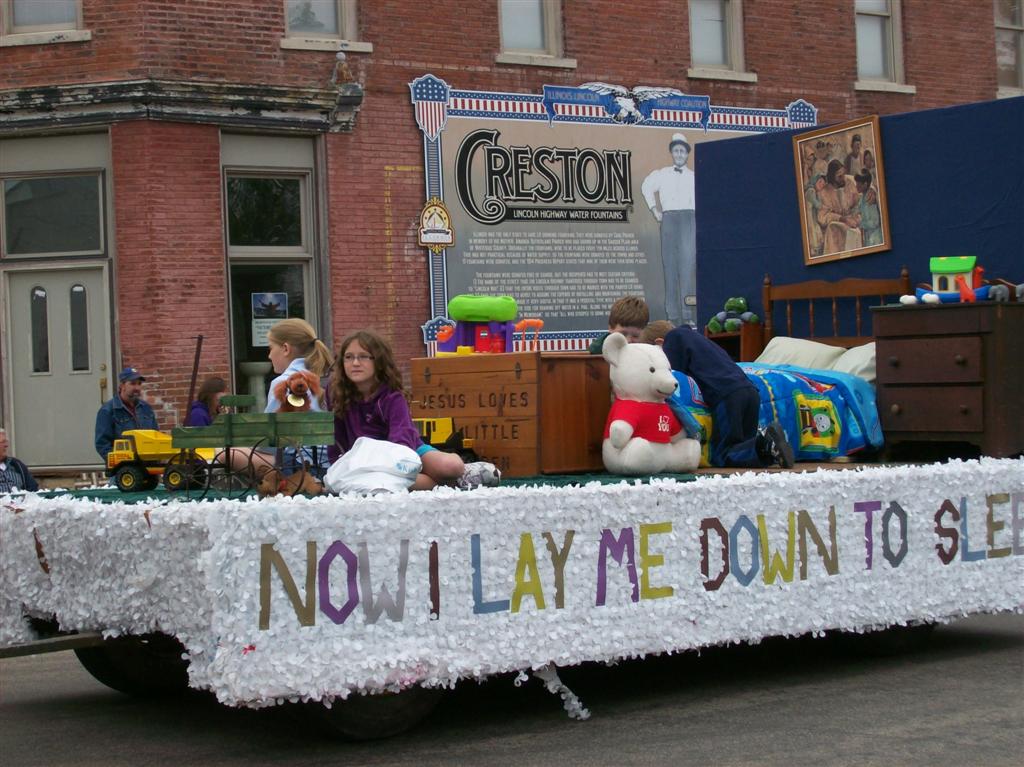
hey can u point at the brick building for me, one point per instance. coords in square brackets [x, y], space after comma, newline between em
[162, 160]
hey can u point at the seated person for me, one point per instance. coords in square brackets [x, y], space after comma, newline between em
[207, 403]
[368, 401]
[14, 475]
[293, 347]
[202, 412]
[732, 400]
[125, 410]
[628, 316]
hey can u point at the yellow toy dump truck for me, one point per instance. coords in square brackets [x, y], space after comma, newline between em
[442, 434]
[141, 456]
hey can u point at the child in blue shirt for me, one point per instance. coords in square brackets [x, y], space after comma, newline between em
[733, 401]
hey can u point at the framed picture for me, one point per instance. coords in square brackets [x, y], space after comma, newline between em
[841, 191]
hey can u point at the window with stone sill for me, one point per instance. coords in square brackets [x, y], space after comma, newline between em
[880, 45]
[1009, 17]
[716, 40]
[323, 25]
[531, 33]
[28, 22]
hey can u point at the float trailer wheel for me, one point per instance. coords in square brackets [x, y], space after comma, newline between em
[367, 717]
[146, 666]
[895, 640]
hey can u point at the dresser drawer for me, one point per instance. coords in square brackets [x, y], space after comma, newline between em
[931, 408]
[928, 320]
[949, 359]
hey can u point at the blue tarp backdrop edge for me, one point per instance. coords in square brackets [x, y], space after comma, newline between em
[955, 186]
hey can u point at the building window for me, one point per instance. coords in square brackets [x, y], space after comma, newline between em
[21, 16]
[523, 28]
[271, 210]
[78, 317]
[323, 25]
[1010, 47]
[266, 212]
[321, 18]
[31, 22]
[40, 324]
[531, 33]
[52, 215]
[716, 40]
[879, 46]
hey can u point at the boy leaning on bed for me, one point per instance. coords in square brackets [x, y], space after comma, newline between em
[729, 395]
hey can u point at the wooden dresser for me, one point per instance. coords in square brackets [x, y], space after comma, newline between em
[952, 372]
[528, 413]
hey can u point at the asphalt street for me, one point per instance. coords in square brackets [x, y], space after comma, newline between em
[957, 700]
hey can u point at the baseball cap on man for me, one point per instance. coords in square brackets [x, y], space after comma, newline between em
[130, 374]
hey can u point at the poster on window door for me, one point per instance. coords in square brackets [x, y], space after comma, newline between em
[571, 198]
[267, 309]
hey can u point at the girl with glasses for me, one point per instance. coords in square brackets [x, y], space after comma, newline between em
[368, 401]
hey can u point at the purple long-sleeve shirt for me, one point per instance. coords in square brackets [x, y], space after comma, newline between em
[384, 416]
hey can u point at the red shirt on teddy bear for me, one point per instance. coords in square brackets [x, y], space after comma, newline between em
[653, 421]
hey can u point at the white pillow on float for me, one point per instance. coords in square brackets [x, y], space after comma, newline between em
[783, 350]
[858, 361]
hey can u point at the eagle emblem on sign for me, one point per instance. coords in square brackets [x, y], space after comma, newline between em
[629, 106]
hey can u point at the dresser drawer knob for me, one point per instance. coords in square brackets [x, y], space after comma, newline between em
[895, 409]
[894, 361]
[960, 359]
[964, 409]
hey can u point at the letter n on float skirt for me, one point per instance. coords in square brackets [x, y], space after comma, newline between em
[305, 610]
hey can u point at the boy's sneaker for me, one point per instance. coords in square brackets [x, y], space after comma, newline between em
[774, 448]
[479, 474]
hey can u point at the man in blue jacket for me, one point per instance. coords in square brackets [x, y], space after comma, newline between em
[14, 475]
[127, 410]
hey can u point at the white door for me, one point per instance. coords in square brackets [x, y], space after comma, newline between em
[59, 373]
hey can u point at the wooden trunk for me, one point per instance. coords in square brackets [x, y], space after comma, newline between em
[528, 413]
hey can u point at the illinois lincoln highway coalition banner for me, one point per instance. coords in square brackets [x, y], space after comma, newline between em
[570, 198]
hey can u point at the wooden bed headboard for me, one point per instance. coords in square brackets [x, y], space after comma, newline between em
[813, 290]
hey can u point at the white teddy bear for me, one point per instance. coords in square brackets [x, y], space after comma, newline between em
[642, 435]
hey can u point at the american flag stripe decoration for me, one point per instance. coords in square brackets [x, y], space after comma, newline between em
[430, 98]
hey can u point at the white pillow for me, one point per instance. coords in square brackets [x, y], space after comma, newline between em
[783, 350]
[858, 361]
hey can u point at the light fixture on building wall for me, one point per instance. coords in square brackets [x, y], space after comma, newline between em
[341, 72]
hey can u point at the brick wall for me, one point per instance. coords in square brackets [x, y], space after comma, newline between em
[170, 268]
[797, 47]
[170, 261]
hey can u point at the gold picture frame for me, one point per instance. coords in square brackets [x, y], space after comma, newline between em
[844, 211]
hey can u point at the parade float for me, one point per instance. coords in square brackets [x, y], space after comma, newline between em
[294, 600]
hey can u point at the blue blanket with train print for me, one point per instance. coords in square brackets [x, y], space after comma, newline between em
[825, 414]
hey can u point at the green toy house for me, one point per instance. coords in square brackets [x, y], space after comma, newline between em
[945, 270]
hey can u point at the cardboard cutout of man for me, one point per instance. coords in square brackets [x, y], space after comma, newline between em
[669, 193]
